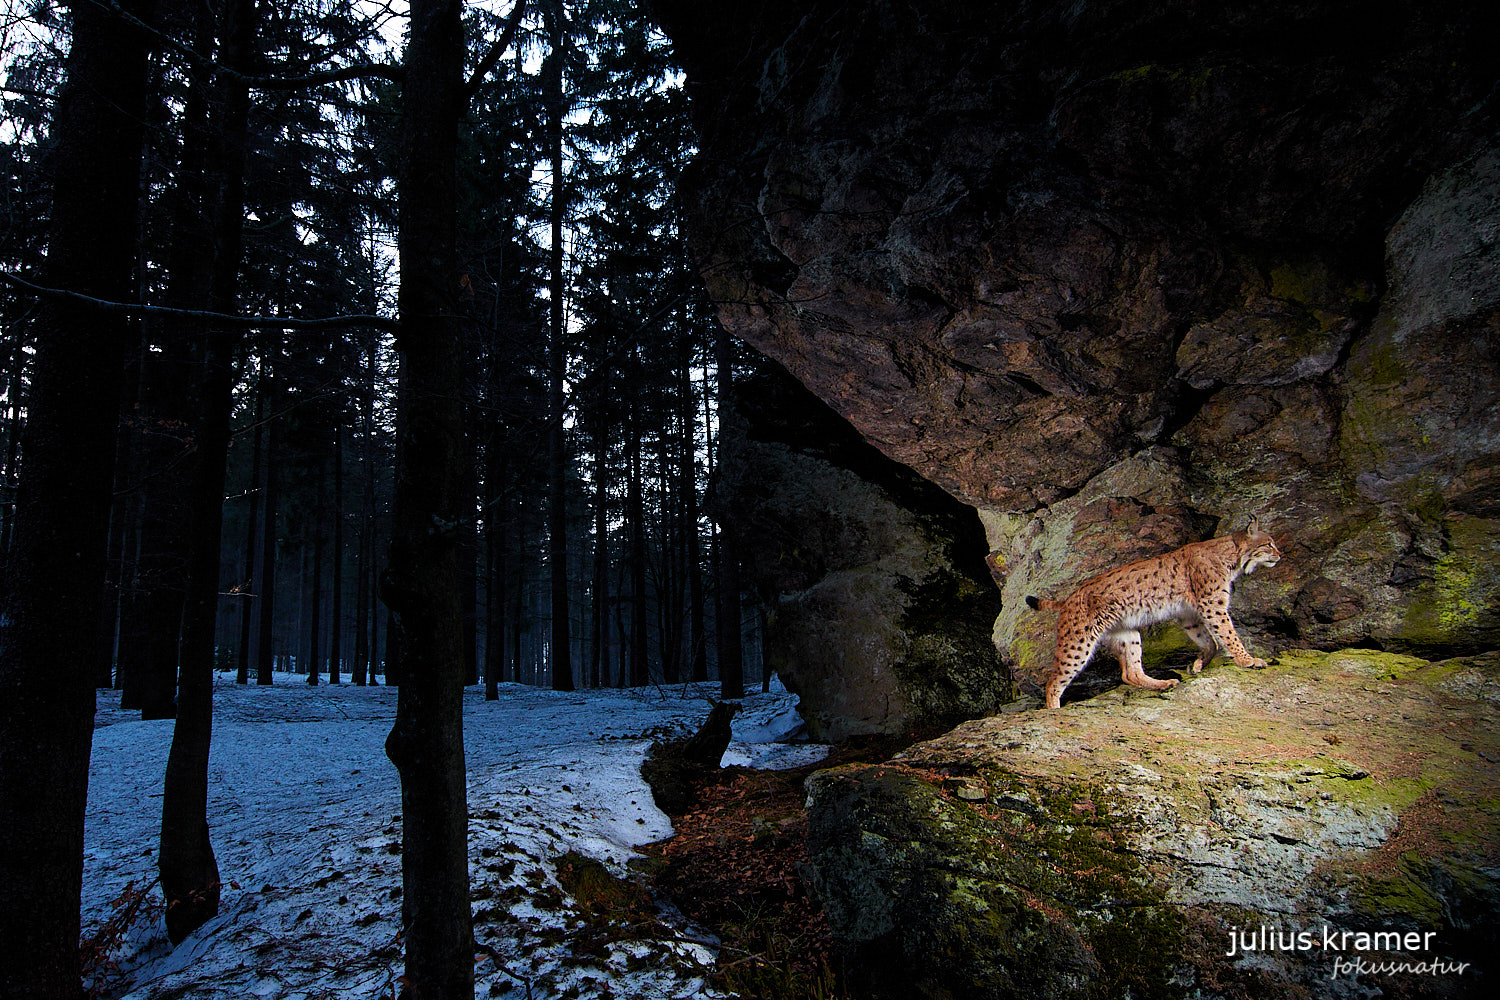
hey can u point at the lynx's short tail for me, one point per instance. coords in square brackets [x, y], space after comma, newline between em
[1037, 604]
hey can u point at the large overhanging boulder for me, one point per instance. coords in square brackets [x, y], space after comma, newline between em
[1123, 275]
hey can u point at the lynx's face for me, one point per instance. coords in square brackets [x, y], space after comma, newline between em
[1260, 551]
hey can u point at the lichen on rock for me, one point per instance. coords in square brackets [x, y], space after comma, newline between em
[1120, 839]
[1056, 256]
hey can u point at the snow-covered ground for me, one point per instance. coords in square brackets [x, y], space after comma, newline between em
[305, 816]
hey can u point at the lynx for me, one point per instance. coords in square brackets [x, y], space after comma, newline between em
[1189, 585]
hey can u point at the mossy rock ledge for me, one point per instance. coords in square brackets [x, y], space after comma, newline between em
[1109, 849]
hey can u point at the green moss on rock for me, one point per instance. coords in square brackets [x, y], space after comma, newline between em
[1119, 839]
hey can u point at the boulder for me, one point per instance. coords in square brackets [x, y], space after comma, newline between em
[879, 605]
[1122, 276]
[1112, 848]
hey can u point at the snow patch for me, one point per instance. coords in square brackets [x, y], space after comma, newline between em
[305, 817]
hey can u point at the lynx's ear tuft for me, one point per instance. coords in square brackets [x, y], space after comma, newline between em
[1254, 526]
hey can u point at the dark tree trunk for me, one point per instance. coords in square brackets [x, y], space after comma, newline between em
[518, 592]
[468, 563]
[697, 656]
[495, 588]
[557, 552]
[669, 589]
[421, 583]
[315, 603]
[635, 516]
[366, 618]
[336, 611]
[252, 580]
[265, 655]
[14, 393]
[121, 528]
[600, 625]
[189, 871]
[359, 669]
[731, 656]
[56, 562]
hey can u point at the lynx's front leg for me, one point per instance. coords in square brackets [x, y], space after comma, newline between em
[1215, 615]
[1202, 638]
[1127, 648]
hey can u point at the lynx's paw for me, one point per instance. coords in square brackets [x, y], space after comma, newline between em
[1253, 662]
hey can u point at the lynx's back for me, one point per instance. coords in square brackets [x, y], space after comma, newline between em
[1190, 585]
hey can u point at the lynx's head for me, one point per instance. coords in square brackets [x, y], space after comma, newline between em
[1257, 548]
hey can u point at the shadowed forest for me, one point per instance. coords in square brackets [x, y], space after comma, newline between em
[309, 479]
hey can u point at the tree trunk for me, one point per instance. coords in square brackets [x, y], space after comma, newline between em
[189, 871]
[495, 588]
[252, 580]
[697, 656]
[518, 592]
[557, 552]
[731, 656]
[56, 562]
[600, 624]
[336, 612]
[635, 516]
[468, 565]
[266, 644]
[366, 617]
[315, 605]
[421, 585]
[121, 528]
[358, 670]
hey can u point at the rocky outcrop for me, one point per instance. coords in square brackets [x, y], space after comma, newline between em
[1123, 275]
[879, 605]
[1111, 848]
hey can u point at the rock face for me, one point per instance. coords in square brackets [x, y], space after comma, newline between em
[1123, 275]
[879, 603]
[1110, 848]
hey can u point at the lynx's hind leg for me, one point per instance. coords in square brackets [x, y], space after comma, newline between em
[1076, 641]
[1127, 647]
[1202, 638]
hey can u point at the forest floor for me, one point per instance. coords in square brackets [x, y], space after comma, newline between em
[737, 864]
[305, 817]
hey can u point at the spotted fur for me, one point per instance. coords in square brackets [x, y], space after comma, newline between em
[1190, 585]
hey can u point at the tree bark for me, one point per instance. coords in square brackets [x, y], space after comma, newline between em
[731, 655]
[265, 646]
[56, 564]
[635, 516]
[469, 565]
[557, 552]
[698, 655]
[315, 605]
[366, 619]
[252, 579]
[336, 612]
[421, 584]
[189, 870]
[600, 624]
[494, 540]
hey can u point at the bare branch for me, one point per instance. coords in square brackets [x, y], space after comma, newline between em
[491, 57]
[227, 320]
[387, 71]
